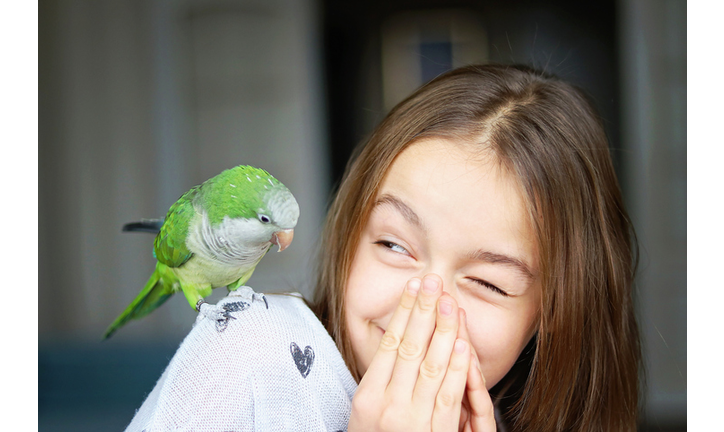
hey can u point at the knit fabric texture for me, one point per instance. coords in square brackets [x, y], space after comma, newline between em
[264, 369]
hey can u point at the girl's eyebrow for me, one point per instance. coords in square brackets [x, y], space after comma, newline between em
[403, 208]
[495, 258]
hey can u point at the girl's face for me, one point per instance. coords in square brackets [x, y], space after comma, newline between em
[446, 210]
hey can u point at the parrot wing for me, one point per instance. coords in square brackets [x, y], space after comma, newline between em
[169, 247]
[158, 289]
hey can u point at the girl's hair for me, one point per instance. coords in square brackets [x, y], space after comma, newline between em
[583, 369]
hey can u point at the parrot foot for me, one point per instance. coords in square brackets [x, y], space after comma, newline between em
[221, 312]
[260, 296]
[214, 312]
[249, 294]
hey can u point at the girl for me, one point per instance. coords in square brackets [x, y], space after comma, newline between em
[475, 275]
[498, 179]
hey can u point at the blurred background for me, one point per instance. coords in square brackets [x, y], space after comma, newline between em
[141, 100]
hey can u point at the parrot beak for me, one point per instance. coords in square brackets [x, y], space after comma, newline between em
[283, 238]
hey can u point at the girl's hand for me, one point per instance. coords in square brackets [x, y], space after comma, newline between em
[416, 380]
[477, 414]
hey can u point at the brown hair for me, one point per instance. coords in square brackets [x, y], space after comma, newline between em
[583, 372]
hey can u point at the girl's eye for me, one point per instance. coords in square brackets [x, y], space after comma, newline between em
[393, 247]
[489, 286]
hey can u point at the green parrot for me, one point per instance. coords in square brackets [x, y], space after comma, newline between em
[214, 236]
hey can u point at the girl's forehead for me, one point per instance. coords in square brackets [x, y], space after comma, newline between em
[441, 163]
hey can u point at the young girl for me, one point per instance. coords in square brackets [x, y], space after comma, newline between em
[498, 180]
[476, 273]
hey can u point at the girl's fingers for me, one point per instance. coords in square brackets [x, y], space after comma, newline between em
[463, 330]
[415, 341]
[435, 365]
[380, 369]
[448, 401]
[481, 415]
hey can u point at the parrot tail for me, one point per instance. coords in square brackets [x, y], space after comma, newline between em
[152, 226]
[153, 295]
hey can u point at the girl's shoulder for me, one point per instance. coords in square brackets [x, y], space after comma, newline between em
[269, 365]
[261, 330]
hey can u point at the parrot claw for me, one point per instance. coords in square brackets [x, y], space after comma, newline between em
[250, 294]
[227, 315]
[238, 300]
[222, 312]
[259, 297]
[221, 315]
[213, 312]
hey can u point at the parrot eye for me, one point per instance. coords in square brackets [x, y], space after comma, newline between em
[264, 218]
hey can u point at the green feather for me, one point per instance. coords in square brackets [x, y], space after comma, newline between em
[170, 244]
[154, 294]
[237, 192]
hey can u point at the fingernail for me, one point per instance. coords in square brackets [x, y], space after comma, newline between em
[445, 308]
[460, 346]
[429, 285]
[413, 286]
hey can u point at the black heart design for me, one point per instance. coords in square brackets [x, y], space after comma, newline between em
[303, 360]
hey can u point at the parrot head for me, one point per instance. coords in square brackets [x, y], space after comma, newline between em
[246, 205]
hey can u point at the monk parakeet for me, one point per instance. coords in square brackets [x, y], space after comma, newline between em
[214, 236]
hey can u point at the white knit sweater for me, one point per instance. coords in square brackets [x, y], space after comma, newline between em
[274, 369]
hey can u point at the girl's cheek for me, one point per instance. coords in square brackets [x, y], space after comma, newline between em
[383, 279]
[498, 341]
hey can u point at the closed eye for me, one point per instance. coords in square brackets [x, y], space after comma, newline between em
[489, 286]
[394, 247]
